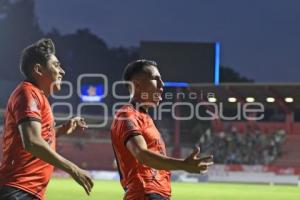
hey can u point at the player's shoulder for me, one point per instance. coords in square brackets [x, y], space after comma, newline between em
[24, 87]
[126, 110]
[28, 86]
[25, 90]
[126, 114]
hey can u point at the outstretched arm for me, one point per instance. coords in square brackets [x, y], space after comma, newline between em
[138, 148]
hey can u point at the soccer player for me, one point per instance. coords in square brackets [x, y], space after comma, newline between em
[139, 149]
[29, 137]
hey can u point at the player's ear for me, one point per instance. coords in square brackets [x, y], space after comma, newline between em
[37, 69]
[136, 84]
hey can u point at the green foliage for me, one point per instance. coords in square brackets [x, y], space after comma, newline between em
[228, 75]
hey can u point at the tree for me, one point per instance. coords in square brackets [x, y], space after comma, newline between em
[18, 28]
[228, 75]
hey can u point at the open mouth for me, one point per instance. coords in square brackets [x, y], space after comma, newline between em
[158, 95]
[161, 92]
[59, 79]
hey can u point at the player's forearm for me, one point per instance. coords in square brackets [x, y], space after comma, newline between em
[42, 150]
[160, 162]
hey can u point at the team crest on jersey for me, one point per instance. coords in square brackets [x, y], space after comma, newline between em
[129, 124]
[33, 106]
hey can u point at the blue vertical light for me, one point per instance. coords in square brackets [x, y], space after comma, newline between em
[217, 63]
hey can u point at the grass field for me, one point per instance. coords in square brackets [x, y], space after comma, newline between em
[67, 189]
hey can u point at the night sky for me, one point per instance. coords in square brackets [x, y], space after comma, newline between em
[259, 38]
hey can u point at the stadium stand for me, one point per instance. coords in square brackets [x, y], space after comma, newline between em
[1, 147]
[272, 141]
[275, 137]
[291, 149]
[91, 155]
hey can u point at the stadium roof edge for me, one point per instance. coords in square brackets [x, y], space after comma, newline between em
[259, 91]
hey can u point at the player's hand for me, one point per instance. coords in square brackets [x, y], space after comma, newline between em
[194, 164]
[83, 178]
[74, 124]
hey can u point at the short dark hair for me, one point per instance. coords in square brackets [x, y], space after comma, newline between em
[36, 53]
[136, 67]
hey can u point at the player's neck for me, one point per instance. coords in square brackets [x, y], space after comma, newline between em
[140, 106]
[43, 89]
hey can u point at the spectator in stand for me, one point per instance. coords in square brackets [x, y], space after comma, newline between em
[253, 147]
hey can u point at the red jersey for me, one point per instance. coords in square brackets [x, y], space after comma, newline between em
[20, 168]
[138, 179]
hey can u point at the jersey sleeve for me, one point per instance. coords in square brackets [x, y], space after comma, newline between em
[27, 107]
[130, 126]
